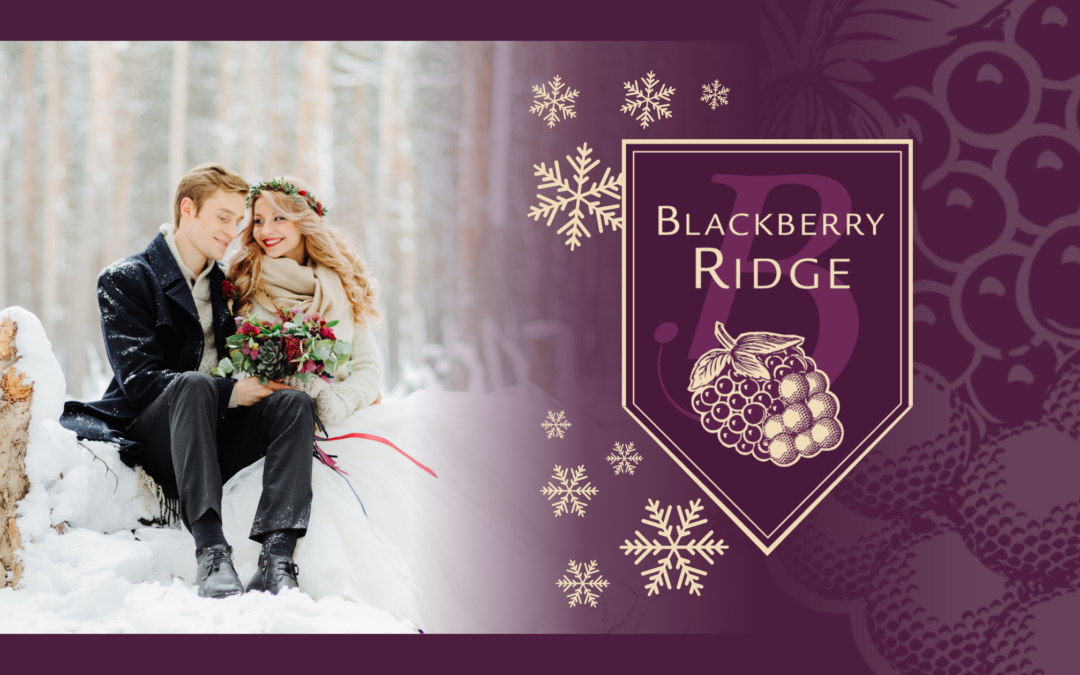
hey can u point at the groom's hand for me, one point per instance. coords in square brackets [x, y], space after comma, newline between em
[250, 392]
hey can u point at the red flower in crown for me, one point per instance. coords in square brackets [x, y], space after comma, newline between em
[285, 187]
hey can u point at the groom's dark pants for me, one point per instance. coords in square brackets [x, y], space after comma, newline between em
[187, 445]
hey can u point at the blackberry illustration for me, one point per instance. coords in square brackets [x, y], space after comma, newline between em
[1020, 503]
[1062, 405]
[763, 396]
[834, 552]
[911, 468]
[913, 621]
[1025, 642]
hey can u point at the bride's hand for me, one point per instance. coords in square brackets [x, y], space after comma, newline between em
[249, 391]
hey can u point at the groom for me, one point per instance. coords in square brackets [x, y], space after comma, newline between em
[165, 321]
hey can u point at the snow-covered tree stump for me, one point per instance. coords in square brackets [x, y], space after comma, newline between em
[15, 400]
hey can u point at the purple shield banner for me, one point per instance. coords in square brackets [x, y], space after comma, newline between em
[767, 314]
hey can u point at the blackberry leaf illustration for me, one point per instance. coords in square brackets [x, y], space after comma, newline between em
[762, 395]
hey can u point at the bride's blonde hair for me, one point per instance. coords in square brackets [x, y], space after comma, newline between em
[322, 242]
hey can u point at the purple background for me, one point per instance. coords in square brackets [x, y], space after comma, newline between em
[869, 387]
[985, 189]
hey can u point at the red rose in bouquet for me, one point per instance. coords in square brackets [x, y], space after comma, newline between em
[294, 344]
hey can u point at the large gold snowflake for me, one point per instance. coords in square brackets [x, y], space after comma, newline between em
[674, 546]
[579, 196]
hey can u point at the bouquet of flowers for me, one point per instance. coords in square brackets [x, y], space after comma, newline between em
[295, 344]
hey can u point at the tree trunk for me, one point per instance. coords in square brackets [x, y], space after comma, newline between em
[125, 141]
[323, 176]
[178, 118]
[275, 160]
[250, 113]
[360, 220]
[15, 399]
[3, 199]
[497, 208]
[384, 249]
[97, 200]
[305, 164]
[476, 289]
[225, 98]
[28, 209]
[55, 191]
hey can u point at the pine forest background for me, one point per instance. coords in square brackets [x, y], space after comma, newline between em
[424, 152]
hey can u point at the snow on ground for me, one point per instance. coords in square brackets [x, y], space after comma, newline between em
[108, 573]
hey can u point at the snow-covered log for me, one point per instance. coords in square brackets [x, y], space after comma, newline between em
[15, 401]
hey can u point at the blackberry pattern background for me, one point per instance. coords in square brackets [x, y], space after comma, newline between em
[970, 489]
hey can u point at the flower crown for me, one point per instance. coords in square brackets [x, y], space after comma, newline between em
[278, 185]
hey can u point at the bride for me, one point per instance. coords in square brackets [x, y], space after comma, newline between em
[447, 550]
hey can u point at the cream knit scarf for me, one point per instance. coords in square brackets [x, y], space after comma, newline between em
[315, 288]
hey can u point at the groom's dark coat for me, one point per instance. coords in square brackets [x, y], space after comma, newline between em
[152, 334]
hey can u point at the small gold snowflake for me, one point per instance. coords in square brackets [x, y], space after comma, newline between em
[555, 425]
[623, 458]
[583, 587]
[572, 497]
[554, 102]
[715, 94]
[648, 100]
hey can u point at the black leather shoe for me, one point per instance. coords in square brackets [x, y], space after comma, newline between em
[217, 576]
[276, 573]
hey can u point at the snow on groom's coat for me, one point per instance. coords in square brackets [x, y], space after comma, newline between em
[152, 334]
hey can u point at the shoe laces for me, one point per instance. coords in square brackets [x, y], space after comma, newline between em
[219, 556]
[288, 567]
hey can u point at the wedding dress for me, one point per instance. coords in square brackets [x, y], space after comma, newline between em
[465, 551]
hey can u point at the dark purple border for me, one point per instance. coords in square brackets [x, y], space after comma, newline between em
[440, 655]
[475, 20]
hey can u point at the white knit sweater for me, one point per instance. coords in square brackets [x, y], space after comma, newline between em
[350, 391]
[200, 292]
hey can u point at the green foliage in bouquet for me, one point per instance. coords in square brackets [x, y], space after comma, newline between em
[297, 344]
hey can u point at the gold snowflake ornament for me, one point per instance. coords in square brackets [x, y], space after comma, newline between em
[553, 102]
[647, 100]
[623, 458]
[582, 587]
[572, 497]
[674, 546]
[579, 195]
[556, 425]
[715, 94]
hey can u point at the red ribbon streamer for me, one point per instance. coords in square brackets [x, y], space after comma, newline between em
[379, 439]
